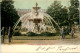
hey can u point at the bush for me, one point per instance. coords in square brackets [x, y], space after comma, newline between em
[17, 34]
[34, 34]
[31, 34]
[47, 34]
[24, 34]
[42, 34]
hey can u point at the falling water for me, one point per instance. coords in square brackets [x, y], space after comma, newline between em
[43, 22]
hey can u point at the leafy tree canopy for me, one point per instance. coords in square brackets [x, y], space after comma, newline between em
[64, 16]
[8, 13]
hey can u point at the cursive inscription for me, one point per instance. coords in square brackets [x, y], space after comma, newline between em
[45, 48]
[59, 48]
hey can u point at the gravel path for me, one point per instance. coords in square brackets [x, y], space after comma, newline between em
[75, 41]
[22, 46]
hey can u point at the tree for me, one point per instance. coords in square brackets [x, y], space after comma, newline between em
[74, 12]
[59, 13]
[8, 13]
[64, 16]
[75, 3]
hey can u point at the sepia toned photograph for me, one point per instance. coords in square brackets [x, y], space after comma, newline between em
[45, 26]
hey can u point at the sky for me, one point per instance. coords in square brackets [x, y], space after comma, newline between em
[44, 4]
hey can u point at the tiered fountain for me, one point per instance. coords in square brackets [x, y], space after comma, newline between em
[37, 21]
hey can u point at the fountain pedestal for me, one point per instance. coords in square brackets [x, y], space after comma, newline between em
[37, 21]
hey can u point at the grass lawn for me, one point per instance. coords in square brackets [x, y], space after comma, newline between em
[41, 37]
[27, 39]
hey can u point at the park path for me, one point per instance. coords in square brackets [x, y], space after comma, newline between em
[75, 41]
[15, 47]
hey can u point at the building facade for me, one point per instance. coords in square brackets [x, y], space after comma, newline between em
[21, 12]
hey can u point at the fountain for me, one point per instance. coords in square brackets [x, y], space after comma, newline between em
[36, 21]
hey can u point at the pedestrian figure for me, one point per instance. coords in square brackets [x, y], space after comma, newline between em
[72, 32]
[10, 32]
[3, 34]
[60, 31]
[63, 33]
